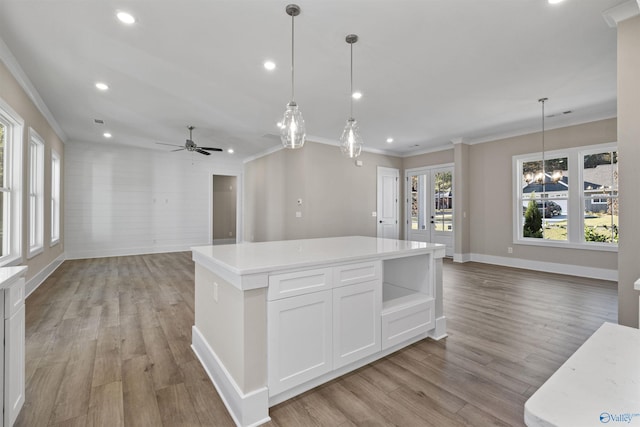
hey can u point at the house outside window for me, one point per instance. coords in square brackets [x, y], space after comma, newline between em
[55, 198]
[551, 210]
[11, 128]
[36, 193]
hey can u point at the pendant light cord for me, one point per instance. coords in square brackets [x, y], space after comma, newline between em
[351, 93]
[544, 178]
[292, 66]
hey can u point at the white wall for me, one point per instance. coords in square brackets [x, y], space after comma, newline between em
[123, 200]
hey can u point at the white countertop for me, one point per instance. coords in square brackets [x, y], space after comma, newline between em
[598, 385]
[251, 258]
[8, 275]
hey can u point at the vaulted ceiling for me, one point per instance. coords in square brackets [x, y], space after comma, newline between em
[430, 71]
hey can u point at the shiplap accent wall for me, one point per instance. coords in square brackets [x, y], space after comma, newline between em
[123, 200]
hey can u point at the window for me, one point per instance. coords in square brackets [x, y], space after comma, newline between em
[552, 210]
[55, 198]
[11, 126]
[600, 195]
[36, 193]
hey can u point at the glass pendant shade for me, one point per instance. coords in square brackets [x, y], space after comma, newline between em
[292, 132]
[351, 141]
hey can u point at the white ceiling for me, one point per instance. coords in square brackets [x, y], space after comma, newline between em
[430, 70]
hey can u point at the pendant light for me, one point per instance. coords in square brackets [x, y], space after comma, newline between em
[292, 130]
[351, 141]
[543, 174]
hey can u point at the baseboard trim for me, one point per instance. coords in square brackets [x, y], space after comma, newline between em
[33, 283]
[461, 257]
[550, 267]
[440, 331]
[247, 410]
[108, 253]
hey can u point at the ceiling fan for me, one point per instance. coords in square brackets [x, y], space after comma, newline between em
[189, 145]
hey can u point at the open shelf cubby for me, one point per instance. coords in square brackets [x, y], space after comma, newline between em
[406, 282]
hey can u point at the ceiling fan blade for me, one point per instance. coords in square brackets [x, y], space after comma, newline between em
[202, 152]
[210, 148]
[179, 149]
[173, 145]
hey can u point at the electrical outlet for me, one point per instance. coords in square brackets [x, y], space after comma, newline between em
[215, 291]
[510, 250]
[298, 214]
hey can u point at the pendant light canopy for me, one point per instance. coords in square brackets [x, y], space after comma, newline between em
[351, 141]
[292, 130]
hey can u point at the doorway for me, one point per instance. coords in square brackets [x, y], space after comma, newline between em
[430, 205]
[387, 209]
[224, 209]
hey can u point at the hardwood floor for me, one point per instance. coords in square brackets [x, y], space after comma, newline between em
[108, 344]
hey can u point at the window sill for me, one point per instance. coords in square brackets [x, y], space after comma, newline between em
[35, 251]
[54, 243]
[603, 247]
[10, 261]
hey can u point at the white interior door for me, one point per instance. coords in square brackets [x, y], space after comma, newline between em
[387, 213]
[430, 205]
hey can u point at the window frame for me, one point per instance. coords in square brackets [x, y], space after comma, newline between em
[575, 220]
[56, 185]
[35, 194]
[12, 246]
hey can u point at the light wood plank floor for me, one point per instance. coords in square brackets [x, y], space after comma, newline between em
[108, 344]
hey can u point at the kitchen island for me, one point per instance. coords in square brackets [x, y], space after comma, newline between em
[275, 319]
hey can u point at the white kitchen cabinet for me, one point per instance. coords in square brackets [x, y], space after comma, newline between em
[13, 351]
[300, 339]
[14, 365]
[356, 322]
[314, 308]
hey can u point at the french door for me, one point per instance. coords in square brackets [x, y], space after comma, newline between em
[430, 205]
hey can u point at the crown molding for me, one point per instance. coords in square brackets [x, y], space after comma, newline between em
[10, 61]
[619, 13]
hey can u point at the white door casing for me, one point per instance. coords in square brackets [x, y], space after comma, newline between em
[430, 206]
[387, 209]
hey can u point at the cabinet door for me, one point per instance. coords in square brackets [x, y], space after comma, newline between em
[299, 340]
[356, 321]
[14, 365]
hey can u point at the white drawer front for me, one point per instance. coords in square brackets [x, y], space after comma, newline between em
[356, 273]
[298, 282]
[408, 322]
[14, 298]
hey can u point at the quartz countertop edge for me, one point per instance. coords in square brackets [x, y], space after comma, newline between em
[219, 255]
[8, 275]
[601, 379]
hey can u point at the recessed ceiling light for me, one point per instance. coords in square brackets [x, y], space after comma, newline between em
[230, 151]
[269, 65]
[107, 135]
[102, 86]
[357, 95]
[126, 18]
[389, 140]
[555, 1]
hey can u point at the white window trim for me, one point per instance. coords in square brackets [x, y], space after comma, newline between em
[56, 185]
[13, 173]
[36, 233]
[575, 231]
